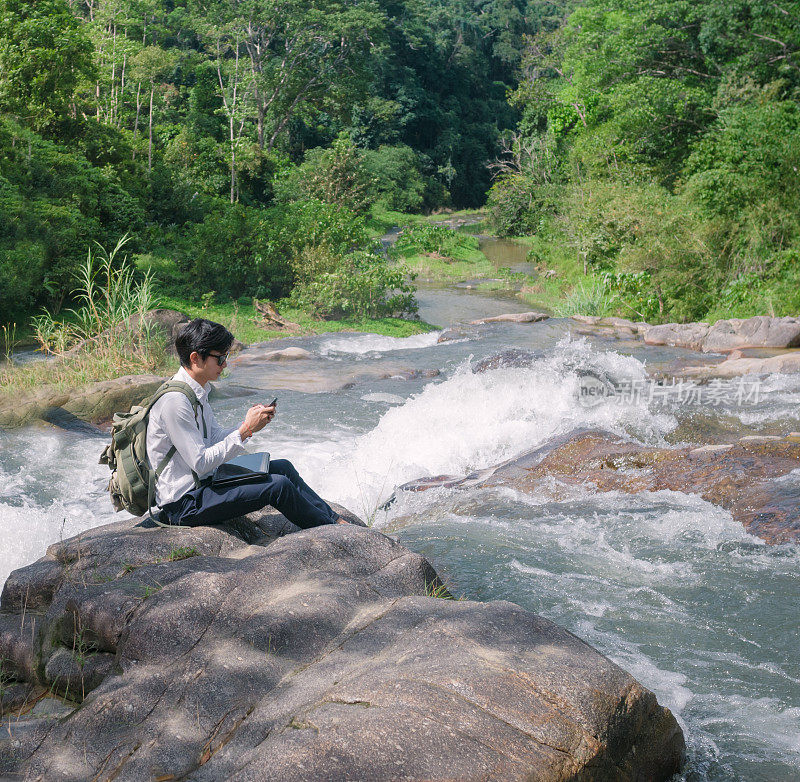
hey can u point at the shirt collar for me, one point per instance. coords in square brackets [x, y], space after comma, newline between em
[185, 377]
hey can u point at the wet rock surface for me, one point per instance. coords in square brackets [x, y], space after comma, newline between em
[513, 317]
[742, 477]
[511, 357]
[722, 336]
[618, 328]
[203, 653]
[286, 354]
[95, 403]
[737, 365]
[726, 335]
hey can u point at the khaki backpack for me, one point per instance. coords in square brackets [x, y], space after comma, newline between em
[133, 480]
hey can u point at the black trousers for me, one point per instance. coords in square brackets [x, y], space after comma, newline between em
[284, 490]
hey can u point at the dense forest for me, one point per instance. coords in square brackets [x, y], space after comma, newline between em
[242, 143]
[219, 133]
[659, 148]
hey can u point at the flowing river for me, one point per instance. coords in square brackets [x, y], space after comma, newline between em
[665, 584]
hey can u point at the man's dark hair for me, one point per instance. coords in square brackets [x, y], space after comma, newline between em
[203, 336]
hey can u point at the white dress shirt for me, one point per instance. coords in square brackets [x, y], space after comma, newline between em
[172, 422]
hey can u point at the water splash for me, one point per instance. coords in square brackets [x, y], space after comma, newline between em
[476, 420]
[364, 344]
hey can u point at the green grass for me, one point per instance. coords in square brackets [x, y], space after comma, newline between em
[182, 552]
[381, 220]
[241, 320]
[552, 293]
[465, 264]
[438, 589]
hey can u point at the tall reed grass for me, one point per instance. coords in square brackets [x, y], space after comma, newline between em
[591, 297]
[107, 335]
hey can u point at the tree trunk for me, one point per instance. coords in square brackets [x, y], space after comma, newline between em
[113, 108]
[122, 88]
[233, 163]
[138, 110]
[150, 133]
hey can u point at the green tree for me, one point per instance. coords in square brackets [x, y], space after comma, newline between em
[336, 176]
[150, 65]
[44, 54]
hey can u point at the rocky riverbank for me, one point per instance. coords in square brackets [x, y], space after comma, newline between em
[742, 477]
[97, 402]
[227, 653]
[731, 337]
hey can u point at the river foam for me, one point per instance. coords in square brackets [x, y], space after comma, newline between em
[375, 343]
[473, 420]
[51, 487]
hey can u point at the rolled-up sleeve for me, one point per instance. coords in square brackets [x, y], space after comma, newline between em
[179, 423]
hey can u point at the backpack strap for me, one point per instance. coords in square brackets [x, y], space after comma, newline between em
[188, 391]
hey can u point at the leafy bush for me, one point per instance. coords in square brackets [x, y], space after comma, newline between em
[635, 292]
[303, 223]
[240, 250]
[398, 182]
[358, 285]
[53, 203]
[744, 176]
[233, 255]
[430, 238]
[336, 176]
[512, 203]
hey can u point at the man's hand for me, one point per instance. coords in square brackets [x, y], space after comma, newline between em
[257, 417]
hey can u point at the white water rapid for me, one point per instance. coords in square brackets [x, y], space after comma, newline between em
[667, 585]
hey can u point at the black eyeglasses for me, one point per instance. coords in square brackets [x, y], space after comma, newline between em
[221, 357]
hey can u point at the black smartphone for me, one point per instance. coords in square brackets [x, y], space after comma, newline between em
[273, 402]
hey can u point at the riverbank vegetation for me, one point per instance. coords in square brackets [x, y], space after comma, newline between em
[658, 156]
[649, 156]
[436, 252]
[234, 140]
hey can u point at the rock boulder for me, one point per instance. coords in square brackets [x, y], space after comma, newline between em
[96, 402]
[513, 317]
[737, 365]
[760, 331]
[742, 477]
[204, 654]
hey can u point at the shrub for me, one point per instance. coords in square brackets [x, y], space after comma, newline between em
[53, 203]
[398, 182]
[359, 285]
[430, 238]
[514, 207]
[635, 292]
[239, 250]
[336, 176]
[107, 336]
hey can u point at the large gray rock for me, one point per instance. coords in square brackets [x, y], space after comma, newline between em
[680, 335]
[737, 365]
[513, 317]
[760, 331]
[96, 402]
[196, 654]
[287, 354]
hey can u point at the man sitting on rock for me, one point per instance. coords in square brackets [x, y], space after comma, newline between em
[183, 490]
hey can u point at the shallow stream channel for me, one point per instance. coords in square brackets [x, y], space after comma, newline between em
[667, 585]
